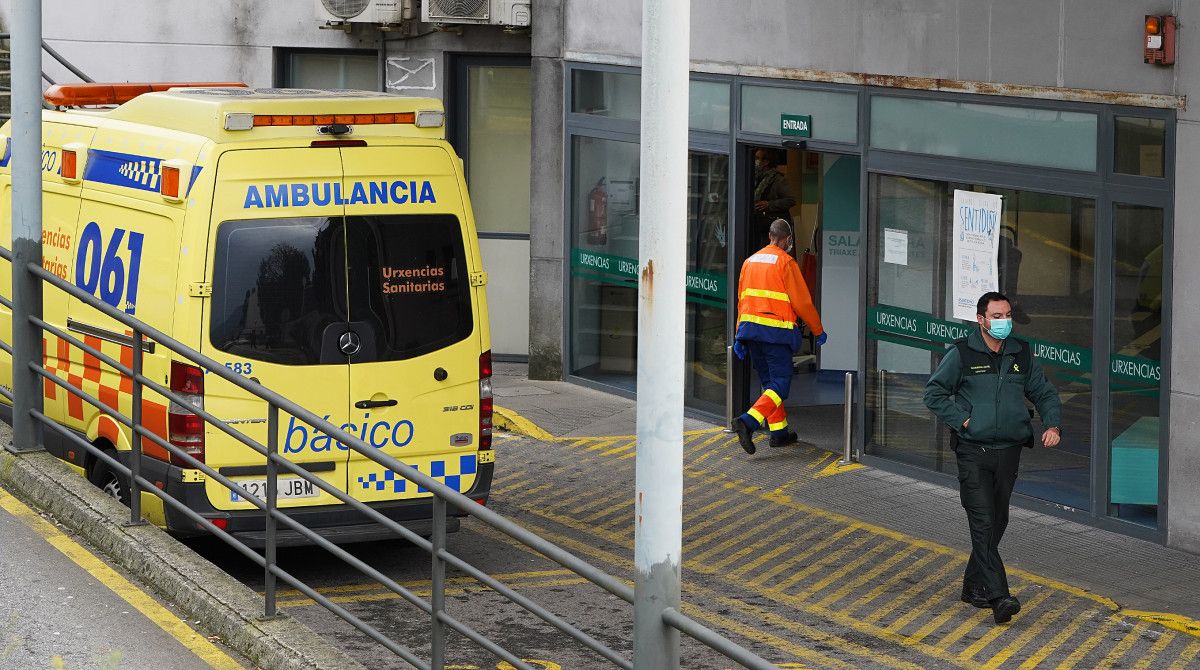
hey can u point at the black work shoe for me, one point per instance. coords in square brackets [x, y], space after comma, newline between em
[743, 433]
[975, 595]
[1004, 608]
[790, 438]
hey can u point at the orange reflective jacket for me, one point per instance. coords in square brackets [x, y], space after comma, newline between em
[772, 294]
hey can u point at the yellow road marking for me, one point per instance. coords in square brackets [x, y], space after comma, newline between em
[506, 419]
[997, 631]
[846, 569]
[936, 623]
[159, 615]
[798, 540]
[783, 547]
[1041, 625]
[585, 500]
[1186, 657]
[1173, 621]
[896, 601]
[1123, 647]
[1162, 643]
[694, 530]
[426, 592]
[621, 449]
[703, 443]
[602, 444]
[828, 558]
[886, 584]
[1056, 643]
[941, 594]
[866, 577]
[1088, 644]
[820, 460]
[417, 583]
[521, 486]
[836, 468]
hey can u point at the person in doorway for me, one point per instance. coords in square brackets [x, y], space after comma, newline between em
[772, 196]
[979, 390]
[771, 296]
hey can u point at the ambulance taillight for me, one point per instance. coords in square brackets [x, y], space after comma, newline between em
[485, 401]
[171, 184]
[185, 428]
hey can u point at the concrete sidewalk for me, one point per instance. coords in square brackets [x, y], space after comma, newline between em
[1141, 579]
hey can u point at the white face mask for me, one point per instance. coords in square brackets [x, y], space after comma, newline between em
[790, 245]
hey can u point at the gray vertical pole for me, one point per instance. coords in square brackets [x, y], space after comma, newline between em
[26, 219]
[437, 594]
[135, 451]
[272, 503]
[658, 504]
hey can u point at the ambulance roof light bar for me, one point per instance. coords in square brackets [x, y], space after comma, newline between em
[327, 122]
[78, 95]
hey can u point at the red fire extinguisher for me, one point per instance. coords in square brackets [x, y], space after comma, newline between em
[597, 231]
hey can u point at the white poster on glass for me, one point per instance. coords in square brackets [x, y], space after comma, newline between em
[976, 223]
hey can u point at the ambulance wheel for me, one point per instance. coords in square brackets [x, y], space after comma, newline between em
[104, 477]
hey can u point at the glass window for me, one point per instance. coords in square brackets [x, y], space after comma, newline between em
[604, 268]
[308, 69]
[834, 115]
[1136, 367]
[1045, 263]
[604, 260]
[278, 285]
[499, 145]
[406, 270]
[1139, 146]
[613, 94]
[708, 106]
[994, 133]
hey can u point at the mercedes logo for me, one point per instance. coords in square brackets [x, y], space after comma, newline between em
[349, 343]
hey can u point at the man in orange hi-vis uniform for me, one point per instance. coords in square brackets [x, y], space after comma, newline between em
[771, 296]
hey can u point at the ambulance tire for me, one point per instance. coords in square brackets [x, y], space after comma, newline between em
[107, 480]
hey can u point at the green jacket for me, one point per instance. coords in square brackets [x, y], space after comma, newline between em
[990, 389]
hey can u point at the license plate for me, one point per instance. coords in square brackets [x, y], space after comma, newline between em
[288, 488]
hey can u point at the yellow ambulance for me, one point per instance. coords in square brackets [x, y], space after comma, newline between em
[320, 243]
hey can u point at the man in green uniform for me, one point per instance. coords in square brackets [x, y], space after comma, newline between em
[979, 390]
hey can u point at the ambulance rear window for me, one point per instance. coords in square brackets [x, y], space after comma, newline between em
[279, 290]
[409, 284]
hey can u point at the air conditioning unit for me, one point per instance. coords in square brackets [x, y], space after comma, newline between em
[366, 11]
[483, 12]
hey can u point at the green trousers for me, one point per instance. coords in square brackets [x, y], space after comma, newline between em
[985, 482]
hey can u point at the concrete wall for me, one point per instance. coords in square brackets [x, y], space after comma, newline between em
[166, 40]
[1071, 43]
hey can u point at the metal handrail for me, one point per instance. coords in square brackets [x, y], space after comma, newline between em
[443, 497]
[61, 61]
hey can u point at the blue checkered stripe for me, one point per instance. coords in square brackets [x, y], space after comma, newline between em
[390, 481]
[144, 172]
[128, 170]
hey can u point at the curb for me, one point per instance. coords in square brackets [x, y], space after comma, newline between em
[508, 420]
[222, 605]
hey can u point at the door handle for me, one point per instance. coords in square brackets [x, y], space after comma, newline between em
[371, 404]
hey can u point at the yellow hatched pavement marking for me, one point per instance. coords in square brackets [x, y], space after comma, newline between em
[1056, 643]
[906, 595]
[821, 460]
[824, 561]
[625, 503]
[741, 539]
[690, 525]
[748, 520]
[883, 586]
[934, 624]
[586, 499]
[996, 631]
[751, 632]
[939, 595]
[882, 568]
[694, 530]
[521, 486]
[844, 570]
[620, 450]
[1117, 652]
[816, 530]
[1162, 643]
[697, 448]
[426, 592]
[783, 548]
[418, 583]
[603, 444]
[160, 616]
[1088, 644]
[1186, 657]
[1041, 625]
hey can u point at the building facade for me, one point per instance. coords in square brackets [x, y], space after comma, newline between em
[1048, 105]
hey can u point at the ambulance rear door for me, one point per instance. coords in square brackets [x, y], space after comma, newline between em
[414, 378]
[277, 250]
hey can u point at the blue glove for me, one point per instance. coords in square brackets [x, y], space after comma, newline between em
[822, 338]
[739, 350]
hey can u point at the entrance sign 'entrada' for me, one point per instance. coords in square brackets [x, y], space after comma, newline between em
[794, 125]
